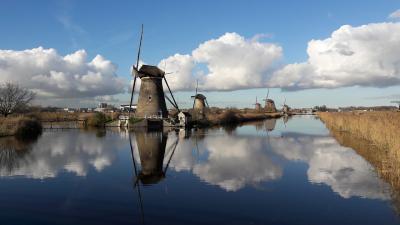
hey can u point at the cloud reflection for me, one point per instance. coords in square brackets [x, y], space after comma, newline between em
[73, 151]
[230, 162]
[233, 162]
[346, 172]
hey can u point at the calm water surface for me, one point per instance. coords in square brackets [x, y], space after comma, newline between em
[268, 172]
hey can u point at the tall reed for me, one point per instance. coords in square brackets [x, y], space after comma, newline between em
[380, 128]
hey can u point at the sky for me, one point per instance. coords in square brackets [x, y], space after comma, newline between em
[80, 53]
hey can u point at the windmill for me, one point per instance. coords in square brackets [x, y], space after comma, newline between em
[269, 104]
[199, 103]
[285, 108]
[151, 100]
[257, 106]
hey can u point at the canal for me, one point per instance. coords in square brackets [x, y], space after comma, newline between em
[267, 172]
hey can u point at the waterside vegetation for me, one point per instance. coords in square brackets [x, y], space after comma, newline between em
[379, 128]
[374, 136]
[21, 126]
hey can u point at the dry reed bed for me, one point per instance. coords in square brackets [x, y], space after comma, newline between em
[380, 128]
[8, 125]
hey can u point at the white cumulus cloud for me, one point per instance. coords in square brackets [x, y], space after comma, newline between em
[395, 14]
[52, 75]
[366, 56]
[229, 62]
[180, 68]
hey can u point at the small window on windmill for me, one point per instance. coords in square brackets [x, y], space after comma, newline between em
[149, 98]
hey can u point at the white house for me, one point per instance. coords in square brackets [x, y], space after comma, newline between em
[184, 119]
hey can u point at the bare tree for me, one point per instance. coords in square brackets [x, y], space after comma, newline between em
[13, 98]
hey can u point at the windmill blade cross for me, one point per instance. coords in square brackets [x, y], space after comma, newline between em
[134, 72]
[140, 46]
[197, 85]
[171, 93]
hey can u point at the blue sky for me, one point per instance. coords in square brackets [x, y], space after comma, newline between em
[111, 29]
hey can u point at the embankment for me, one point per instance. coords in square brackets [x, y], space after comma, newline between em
[230, 117]
[380, 128]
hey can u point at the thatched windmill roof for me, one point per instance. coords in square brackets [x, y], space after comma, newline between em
[150, 71]
[199, 96]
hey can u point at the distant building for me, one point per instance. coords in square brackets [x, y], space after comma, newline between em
[104, 107]
[125, 108]
[83, 110]
[69, 110]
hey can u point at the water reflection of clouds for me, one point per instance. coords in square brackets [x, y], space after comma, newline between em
[232, 162]
[347, 173]
[74, 152]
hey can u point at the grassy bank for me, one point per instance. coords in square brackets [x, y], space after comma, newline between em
[233, 117]
[24, 127]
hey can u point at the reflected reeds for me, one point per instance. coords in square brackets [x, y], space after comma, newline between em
[386, 166]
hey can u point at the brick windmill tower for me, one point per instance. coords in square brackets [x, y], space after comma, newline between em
[257, 105]
[269, 104]
[151, 100]
[199, 104]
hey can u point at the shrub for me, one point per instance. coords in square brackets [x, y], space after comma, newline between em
[229, 117]
[28, 128]
[134, 120]
[98, 120]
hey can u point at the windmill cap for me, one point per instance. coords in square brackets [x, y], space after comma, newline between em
[150, 71]
[199, 96]
[270, 100]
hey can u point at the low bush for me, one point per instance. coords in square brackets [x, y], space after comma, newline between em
[134, 120]
[28, 128]
[24, 127]
[98, 119]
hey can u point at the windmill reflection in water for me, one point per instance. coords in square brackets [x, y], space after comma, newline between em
[153, 151]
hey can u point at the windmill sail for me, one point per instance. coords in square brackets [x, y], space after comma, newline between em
[135, 69]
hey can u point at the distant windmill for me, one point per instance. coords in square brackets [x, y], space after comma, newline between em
[257, 106]
[269, 104]
[285, 108]
[199, 103]
[151, 101]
